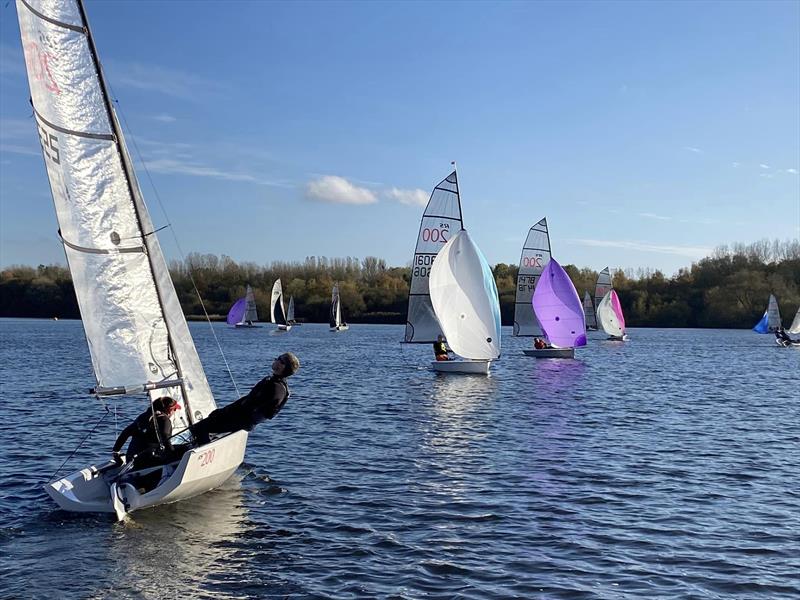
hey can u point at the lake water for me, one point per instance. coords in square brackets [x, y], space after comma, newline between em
[665, 467]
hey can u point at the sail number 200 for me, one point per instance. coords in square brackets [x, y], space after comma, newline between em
[206, 458]
[434, 235]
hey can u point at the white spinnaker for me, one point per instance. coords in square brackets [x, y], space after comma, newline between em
[607, 318]
[535, 254]
[440, 221]
[250, 312]
[277, 296]
[773, 314]
[588, 310]
[290, 310]
[602, 287]
[134, 324]
[795, 326]
[464, 299]
[336, 307]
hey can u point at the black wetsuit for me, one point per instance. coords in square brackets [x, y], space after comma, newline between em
[149, 447]
[263, 402]
[439, 349]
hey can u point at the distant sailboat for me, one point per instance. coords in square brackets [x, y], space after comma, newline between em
[560, 312]
[465, 301]
[602, 287]
[243, 313]
[535, 254]
[795, 326]
[588, 312]
[277, 314]
[771, 320]
[441, 220]
[290, 320]
[139, 342]
[336, 322]
[610, 318]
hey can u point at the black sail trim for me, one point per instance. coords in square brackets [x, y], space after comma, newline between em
[94, 136]
[44, 17]
[440, 217]
[129, 250]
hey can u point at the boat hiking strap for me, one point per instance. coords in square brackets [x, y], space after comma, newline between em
[105, 414]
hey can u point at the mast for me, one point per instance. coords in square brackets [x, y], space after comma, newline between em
[129, 177]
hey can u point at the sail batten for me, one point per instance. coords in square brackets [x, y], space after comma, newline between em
[133, 321]
[441, 220]
[535, 255]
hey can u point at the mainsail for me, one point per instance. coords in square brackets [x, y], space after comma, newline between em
[336, 308]
[440, 221]
[558, 308]
[464, 297]
[137, 335]
[290, 311]
[250, 312]
[795, 326]
[588, 311]
[276, 311]
[535, 254]
[771, 320]
[602, 287]
[609, 315]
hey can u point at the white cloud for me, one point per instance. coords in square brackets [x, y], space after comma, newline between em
[335, 189]
[763, 166]
[736, 165]
[690, 251]
[17, 149]
[792, 171]
[692, 149]
[648, 215]
[164, 118]
[415, 197]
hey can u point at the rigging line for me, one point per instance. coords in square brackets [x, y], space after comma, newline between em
[105, 414]
[175, 238]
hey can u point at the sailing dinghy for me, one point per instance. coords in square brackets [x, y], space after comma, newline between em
[440, 220]
[290, 320]
[138, 339]
[535, 254]
[243, 313]
[795, 326]
[610, 318]
[588, 312]
[336, 322]
[560, 312]
[465, 301]
[277, 314]
[771, 320]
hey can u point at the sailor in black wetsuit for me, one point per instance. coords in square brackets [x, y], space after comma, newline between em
[263, 402]
[150, 434]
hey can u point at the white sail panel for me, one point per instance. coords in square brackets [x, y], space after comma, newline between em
[465, 300]
[440, 221]
[608, 318]
[795, 326]
[773, 314]
[124, 291]
[535, 254]
[602, 287]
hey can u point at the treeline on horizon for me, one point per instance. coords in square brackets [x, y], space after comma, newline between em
[728, 289]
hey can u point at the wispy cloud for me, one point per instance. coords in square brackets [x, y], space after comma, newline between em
[649, 215]
[693, 149]
[415, 197]
[17, 149]
[164, 118]
[338, 190]
[690, 251]
[763, 166]
[792, 171]
[18, 136]
[736, 165]
[163, 80]
[172, 166]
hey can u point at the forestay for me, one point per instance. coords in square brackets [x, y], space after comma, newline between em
[440, 221]
[465, 301]
[558, 308]
[138, 338]
[588, 310]
[276, 311]
[609, 315]
[602, 287]
[535, 254]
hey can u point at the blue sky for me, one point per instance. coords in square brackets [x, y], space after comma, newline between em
[646, 132]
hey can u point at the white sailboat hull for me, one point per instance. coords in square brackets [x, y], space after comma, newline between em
[199, 470]
[478, 367]
[618, 338]
[284, 327]
[246, 326]
[551, 353]
[340, 328]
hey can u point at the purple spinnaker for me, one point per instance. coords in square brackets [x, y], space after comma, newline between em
[236, 313]
[559, 308]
